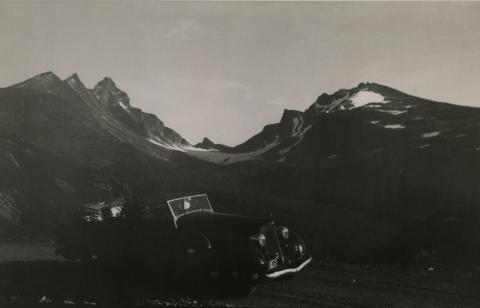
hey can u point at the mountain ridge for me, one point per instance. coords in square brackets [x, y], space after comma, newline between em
[111, 107]
[350, 172]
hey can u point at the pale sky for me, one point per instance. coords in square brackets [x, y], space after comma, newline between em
[224, 70]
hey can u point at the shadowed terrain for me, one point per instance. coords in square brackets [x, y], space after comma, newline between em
[49, 283]
[367, 175]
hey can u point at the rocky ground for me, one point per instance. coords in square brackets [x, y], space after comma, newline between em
[32, 282]
[332, 286]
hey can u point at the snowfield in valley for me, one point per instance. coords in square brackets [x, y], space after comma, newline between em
[218, 157]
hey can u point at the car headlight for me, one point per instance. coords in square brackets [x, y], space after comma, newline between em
[260, 238]
[299, 248]
[284, 232]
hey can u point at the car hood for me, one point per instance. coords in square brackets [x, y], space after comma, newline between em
[219, 222]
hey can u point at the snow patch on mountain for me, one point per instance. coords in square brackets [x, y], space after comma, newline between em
[373, 106]
[430, 134]
[284, 151]
[395, 126]
[12, 159]
[168, 146]
[299, 139]
[337, 102]
[8, 209]
[363, 98]
[297, 126]
[392, 112]
[123, 106]
[423, 146]
[193, 148]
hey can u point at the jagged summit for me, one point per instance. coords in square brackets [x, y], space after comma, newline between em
[205, 142]
[75, 82]
[109, 94]
[108, 80]
[108, 107]
[74, 77]
[107, 83]
[208, 144]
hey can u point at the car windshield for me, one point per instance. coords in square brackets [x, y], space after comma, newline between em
[186, 205]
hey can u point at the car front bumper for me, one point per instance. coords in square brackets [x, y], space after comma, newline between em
[288, 271]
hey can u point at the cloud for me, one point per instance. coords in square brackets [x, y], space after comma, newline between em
[187, 30]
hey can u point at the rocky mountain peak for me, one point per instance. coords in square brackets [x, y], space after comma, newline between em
[207, 141]
[208, 144]
[107, 93]
[74, 76]
[205, 144]
[345, 99]
[289, 114]
[74, 81]
[106, 82]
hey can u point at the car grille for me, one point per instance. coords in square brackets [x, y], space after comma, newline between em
[272, 246]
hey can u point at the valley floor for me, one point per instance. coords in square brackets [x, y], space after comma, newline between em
[28, 279]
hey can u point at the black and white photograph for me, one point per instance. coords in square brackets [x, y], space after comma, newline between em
[239, 154]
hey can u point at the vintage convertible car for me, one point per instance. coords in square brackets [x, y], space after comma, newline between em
[183, 237]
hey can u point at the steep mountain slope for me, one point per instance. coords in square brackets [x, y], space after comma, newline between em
[62, 144]
[104, 111]
[377, 108]
[275, 141]
[145, 124]
[374, 149]
[294, 125]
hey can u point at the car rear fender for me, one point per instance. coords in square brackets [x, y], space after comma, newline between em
[193, 242]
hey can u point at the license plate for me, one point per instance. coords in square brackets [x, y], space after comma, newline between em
[273, 263]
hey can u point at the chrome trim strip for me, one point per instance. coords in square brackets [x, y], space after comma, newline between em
[289, 270]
